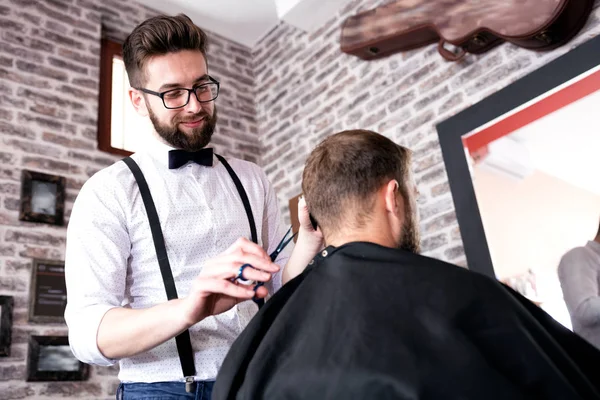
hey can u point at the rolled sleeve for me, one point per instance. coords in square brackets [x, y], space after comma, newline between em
[83, 330]
[97, 250]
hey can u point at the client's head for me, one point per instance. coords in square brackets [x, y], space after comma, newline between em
[358, 186]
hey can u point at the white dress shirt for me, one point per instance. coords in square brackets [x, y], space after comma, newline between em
[111, 260]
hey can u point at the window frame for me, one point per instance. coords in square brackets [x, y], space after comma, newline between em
[108, 50]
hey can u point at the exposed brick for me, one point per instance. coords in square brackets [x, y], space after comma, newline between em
[17, 391]
[434, 242]
[24, 79]
[454, 253]
[470, 74]
[42, 71]
[34, 148]
[374, 118]
[49, 99]
[68, 142]
[9, 188]
[439, 223]
[499, 74]
[12, 204]
[40, 121]
[417, 122]
[434, 175]
[424, 163]
[452, 102]
[50, 165]
[455, 234]
[7, 250]
[34, 19]
[6, 115]
[436, 208]
[62, 64]
[80, 94]
[57, 38]
[15, 267]
[30, 237]
[440, 189]
[12, 284]
[12, 25]
[399, 102]
[432, 97]
[31, 43]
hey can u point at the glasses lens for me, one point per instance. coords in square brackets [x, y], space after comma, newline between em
[207, 92]
[176, 98]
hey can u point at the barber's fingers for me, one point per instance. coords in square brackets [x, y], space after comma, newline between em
[261, 292]
[228, 267]
[221, 286]
[245, 246]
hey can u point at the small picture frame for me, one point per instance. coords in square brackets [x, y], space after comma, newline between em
[47, 292]
[42, 198]
[50, 359]
[6, 315]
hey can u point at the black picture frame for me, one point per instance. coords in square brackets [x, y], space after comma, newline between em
[49, 358]
[451, 131]
[42, 198]
[47, 292]
[6, 317]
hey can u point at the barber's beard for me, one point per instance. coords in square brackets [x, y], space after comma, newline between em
[195, 140]
[411, 237]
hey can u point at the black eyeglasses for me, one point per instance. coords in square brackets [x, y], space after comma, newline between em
[180, 97]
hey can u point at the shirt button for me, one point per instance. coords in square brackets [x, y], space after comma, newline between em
[324, 253]
[311, 262]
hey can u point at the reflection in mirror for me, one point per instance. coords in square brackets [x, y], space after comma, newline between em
[535, 173]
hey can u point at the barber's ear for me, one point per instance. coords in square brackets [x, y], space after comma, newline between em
[391, 196]
[138, 101]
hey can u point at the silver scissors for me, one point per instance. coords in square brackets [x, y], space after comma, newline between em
[282, 244]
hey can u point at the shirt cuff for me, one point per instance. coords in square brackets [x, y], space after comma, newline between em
[83, 332]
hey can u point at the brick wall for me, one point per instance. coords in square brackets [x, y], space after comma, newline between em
[49, 65]
[306, 89]
[291, 91]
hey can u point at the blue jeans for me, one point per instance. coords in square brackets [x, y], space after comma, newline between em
[164, 391]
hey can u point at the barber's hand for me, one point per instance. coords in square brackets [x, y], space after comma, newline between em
[213, 292]
[311, 239]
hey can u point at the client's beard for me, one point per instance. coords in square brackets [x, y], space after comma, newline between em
[197, 139]
[411, 237]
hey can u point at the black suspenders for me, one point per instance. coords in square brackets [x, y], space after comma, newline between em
[184, 344]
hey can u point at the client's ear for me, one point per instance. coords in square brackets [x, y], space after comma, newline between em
[392, 203]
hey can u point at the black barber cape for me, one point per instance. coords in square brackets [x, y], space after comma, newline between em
[369, 322]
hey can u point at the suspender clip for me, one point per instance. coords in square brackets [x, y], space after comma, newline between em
[190, 384]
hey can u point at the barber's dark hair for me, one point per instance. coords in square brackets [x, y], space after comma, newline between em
[158, 36]
[346, 170]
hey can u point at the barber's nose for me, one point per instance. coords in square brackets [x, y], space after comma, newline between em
[193, 106]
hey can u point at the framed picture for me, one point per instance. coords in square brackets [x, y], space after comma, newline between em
[6, 307]
[50, 359]
[48, 292]
[42, 198]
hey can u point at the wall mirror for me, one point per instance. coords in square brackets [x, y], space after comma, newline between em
[524, 171]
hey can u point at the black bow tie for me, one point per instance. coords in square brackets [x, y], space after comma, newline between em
[177, 158]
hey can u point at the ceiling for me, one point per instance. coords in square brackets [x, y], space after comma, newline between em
[565, 143]
[247, 21]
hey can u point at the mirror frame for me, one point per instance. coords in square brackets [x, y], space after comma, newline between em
[451, 131]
